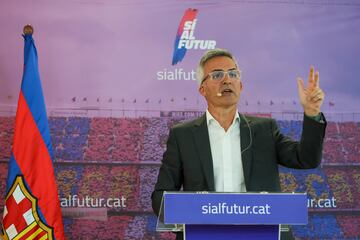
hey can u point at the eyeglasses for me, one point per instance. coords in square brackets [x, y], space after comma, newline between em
[220, 75]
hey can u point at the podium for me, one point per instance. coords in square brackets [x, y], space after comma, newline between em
[221, 216]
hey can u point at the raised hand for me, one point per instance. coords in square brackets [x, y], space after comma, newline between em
[311, 96]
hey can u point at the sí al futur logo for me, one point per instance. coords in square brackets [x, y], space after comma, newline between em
[185, 37]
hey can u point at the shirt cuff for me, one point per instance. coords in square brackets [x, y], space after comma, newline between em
[319, 118]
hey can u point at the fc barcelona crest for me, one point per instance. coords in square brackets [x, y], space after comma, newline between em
[21, 219]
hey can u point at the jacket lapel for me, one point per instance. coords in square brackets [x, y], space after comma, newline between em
[202, 143]
[246, 136]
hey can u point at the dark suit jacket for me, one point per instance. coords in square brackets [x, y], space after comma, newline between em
[187, 161]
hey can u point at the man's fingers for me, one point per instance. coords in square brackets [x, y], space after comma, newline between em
[316, 79]
[300, 83]
[311, 77]
[315, 91]
[316, 95]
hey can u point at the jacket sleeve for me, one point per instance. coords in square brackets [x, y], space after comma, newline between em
[305, 154]
[170, 176]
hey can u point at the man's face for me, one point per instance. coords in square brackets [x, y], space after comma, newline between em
[228, 88]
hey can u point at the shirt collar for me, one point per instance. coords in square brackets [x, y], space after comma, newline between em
[210, 118]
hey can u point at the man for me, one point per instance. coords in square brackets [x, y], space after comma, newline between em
[225, 151]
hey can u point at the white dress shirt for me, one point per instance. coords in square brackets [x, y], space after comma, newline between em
[226, 155]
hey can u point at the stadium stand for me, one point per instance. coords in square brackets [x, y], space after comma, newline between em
[344, 182]
[3, 175]
[69, 136]
[291, 128]
[129, 135]
[312, 181]
[114, 157]
[155, 135]
[114, 228]
[6, 136]
[68, 178]
[320, 226]
[350, 225]
[148, 176]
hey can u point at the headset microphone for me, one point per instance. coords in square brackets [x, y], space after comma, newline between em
[219, 94]
[250, 135]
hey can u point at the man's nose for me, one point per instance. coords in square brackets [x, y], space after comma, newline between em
[226, 79]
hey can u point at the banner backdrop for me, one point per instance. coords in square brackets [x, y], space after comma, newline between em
[117, 75]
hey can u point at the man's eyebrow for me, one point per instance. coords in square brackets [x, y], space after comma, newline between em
[214, 70]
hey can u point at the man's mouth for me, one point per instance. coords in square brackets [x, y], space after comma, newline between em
[226, 92]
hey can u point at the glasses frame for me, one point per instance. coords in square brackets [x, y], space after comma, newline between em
[225, 73]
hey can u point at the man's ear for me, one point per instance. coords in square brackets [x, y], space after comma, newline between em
[202, 90]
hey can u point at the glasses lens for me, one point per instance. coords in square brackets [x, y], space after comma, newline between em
[234, 74]
[217, 75]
